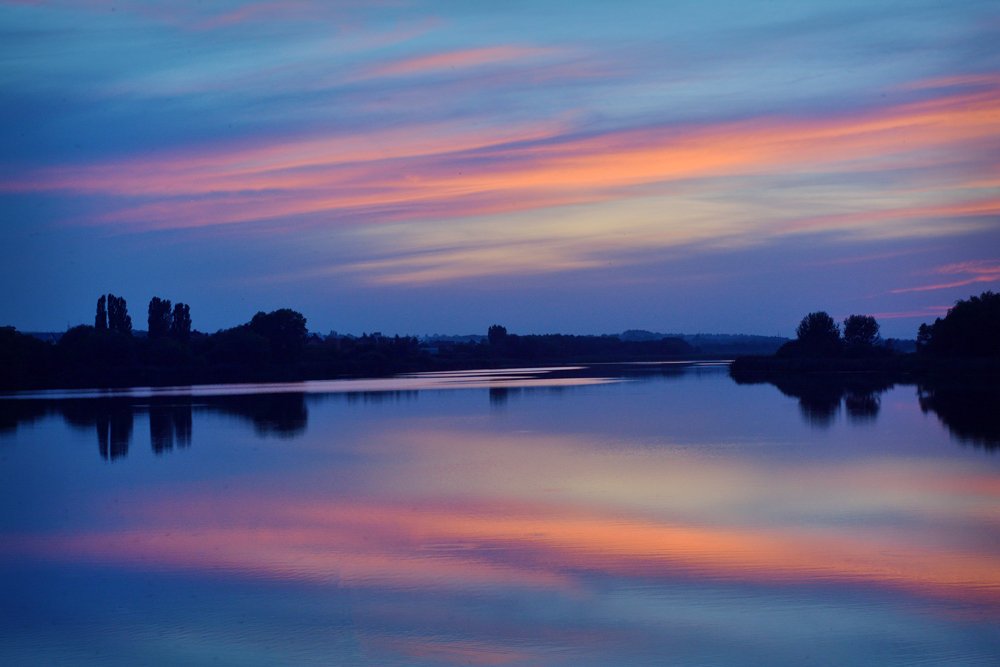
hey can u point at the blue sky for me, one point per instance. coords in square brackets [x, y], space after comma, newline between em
[573, 167]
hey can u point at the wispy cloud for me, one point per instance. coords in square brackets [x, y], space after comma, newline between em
[973, 272]
[422, 172]
[462, 59]
[443, 141]
[928, 311]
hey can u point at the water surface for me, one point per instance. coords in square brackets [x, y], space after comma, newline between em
[627, 515]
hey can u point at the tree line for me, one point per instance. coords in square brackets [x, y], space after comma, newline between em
[971, 329]
[272, 347]
[276, 346]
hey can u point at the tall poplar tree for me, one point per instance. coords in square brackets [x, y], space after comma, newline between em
[159, 318]
[101, 319]
[180, 325]
[118, 317]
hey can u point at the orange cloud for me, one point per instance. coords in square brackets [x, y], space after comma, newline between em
[459, 59]
[438, 172]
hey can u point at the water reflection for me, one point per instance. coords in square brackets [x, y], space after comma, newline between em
[970, 410]
[968, 407]
[673, 518]
[822, 394]
[279, 415]
[169, 424]
[170, 418]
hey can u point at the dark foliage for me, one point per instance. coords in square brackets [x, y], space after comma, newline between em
[511, 349]
[180, 322]
[861, 332]
[238, 346]
[496, 334]
[101, 318]
[817, 336]
[275, 347]
[118, 317]
[158, 322]
[970, 329]
[285, 331]
[25, 361]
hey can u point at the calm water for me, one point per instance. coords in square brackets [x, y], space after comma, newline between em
[606, 516]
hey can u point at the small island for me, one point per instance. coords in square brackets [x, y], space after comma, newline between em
[966, 340]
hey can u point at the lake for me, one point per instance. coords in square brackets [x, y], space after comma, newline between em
[643, 514]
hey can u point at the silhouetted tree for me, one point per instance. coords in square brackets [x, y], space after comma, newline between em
[159, 318]
[285, 329]
[861, 331]
[818, 333]
[496, 334]
[817, 336]
[25, 361]
[180, 323]
[118, 317]
[970, 329]
[101, 319]
[817, 327]
[238, 346]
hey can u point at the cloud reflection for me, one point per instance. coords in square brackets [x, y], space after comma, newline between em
[540, 514]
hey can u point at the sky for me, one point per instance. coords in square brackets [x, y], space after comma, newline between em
[575, 167]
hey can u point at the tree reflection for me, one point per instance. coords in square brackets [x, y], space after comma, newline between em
[170, 418]
[968, 406]
[280, 415]
[499, 395]
[112, 419]
[969, 409]
[114, 432]
[169, 424]
[821, 395]
[862, 407]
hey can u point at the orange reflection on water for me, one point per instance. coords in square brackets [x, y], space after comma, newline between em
[460, 505]
[502, 545]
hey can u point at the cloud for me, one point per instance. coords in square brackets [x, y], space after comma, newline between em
[976, 272]
[928, 311]
[436, 171]
[445, 201]
[461, 59]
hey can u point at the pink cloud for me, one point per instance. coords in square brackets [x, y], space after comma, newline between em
[420, 172]
[929, 311]
[979, 272]
[460, 59]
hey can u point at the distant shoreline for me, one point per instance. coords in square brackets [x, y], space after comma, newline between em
[160, 378]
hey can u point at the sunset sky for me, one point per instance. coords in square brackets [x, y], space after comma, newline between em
[575, 167]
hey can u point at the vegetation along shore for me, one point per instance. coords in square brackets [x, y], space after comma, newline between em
[277, 347]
